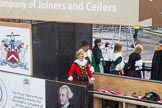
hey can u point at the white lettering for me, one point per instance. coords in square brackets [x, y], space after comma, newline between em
[100, 7]
[114, 8]
[88, 6]
[48, 5]
[32, 4]
[10, 5]
[76, 6]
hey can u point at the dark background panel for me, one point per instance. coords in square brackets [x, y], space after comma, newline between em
[54, 45]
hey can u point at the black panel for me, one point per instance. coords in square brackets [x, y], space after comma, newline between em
[54, 45]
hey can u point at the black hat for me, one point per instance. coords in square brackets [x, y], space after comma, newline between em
[84, 43]
[160, 42]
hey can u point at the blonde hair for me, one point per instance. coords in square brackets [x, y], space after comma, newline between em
[69, 92]
[138, 48]
[79, 52]
[117, 48]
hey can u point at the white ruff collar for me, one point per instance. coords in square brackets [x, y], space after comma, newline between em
[81, 63]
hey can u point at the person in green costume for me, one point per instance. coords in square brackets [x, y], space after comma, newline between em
[99, 60]
[117, 60]
[88, 55]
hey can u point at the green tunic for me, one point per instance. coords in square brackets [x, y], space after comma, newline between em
[114, 64]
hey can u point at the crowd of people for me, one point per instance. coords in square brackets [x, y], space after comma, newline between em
[87, 61]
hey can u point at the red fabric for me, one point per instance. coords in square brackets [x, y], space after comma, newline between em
[121, 73]
[76, 69]
[109, 92]
[160, 101]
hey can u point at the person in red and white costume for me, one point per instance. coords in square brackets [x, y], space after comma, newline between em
[80, 69]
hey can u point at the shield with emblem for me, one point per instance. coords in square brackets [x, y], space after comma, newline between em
[12, 53]
[12, 58]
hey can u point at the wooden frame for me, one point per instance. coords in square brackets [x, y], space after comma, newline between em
[18, 49]
[127, 86]
[124, 102]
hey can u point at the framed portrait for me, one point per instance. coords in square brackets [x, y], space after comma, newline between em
[16, 48]
[67, 95]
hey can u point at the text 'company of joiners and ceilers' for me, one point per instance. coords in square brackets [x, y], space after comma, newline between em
[51, 5]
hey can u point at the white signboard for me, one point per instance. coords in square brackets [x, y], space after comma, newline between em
[18, 91]
[15, 48]
[123, 12]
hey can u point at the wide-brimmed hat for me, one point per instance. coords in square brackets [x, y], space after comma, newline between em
[84, 43]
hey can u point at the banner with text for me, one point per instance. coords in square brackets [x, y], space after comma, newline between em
[121, 12]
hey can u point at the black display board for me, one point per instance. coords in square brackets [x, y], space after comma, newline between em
[54, 45]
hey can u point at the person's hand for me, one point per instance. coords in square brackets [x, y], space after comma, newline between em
[92, 69]
[92, 80]
[101, 59]
[126, 60]
[70, 78]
